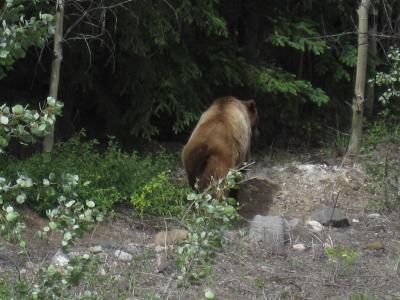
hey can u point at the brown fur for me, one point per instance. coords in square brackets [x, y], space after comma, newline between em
[220, 141]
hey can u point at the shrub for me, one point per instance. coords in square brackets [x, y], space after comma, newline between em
[109, 177]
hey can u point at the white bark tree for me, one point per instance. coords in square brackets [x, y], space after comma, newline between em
[48, 141]
[361, 74]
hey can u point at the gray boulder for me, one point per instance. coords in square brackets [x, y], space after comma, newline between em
[329, 216]
[270, 230]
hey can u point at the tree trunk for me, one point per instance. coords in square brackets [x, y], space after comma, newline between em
[370, 100]
[48, 141]
[358, 100]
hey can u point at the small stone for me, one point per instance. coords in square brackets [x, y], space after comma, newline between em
[162, 263]
[315, 226]
[330, 216]
[160, 248]
[374, 245]
[74, 253]
[355, 221]
[60, 258]
[102, 272]
[133, 248]
[123, 256]
[96, 249]
[299, 247]
[374, 216]
[268, 229]
[291, 225]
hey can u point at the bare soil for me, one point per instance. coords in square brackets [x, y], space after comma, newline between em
[244, 270]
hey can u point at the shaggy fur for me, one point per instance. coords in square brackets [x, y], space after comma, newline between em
[220, 141]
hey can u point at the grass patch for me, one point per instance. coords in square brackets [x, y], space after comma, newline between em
[380, 152]
[108, 177]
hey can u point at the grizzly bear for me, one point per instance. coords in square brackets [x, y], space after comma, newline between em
[220, 141]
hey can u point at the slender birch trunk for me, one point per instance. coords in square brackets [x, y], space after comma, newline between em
[359, 97]
[48, 141]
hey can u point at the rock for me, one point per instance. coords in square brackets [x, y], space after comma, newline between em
[164, 238]
[74, 253]
[291, 224]
[269, 230]
[374, 216]
[374, 245]
[60, 258]
[299, 247]
[102, 272]
[95, 249]
[355, 221]
[255, 196]
[160, 248]
[293, 229]
[162, 263]
[315, 226]
[133, 248]
[330, 216]
[123, 256]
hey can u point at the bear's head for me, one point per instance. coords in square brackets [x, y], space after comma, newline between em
[252, 112]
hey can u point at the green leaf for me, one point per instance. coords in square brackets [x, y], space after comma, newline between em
[11, 216]
[21, 198]
[209, 294]
[90, 204]
[53, 225]
[4, 120]
[67, 236]
[70, 203]
[17, 109]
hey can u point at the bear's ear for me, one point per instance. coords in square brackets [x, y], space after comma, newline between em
[251, 105]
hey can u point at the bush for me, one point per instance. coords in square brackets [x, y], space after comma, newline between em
[109, 177]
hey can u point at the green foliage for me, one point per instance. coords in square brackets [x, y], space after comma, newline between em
[381, 163]
[55, 282]
[19, 31]
[301, 35]
[343, 256]
[381, 132]
[361, 297]
[389, 80]
[211, 213]
[108, 177]
[72, 216]
[24, 124]
[159, 196]
[277, 81]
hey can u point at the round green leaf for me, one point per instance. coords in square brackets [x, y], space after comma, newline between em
[67, 236]
[90, 204]
[4, 120]
[21, 198]
[209, 294]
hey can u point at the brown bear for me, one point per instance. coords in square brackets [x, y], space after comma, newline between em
[220, 141]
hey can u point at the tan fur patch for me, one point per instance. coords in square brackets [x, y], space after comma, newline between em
[220, 141]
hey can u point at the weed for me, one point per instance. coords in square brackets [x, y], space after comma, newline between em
[260, 282]
[361, 297]
[209, 215]
[343, 256]
[109, 177]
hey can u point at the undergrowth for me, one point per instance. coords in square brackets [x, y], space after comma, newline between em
[108, 177]
[380, 153]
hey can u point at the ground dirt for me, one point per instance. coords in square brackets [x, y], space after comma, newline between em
[244, 270]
